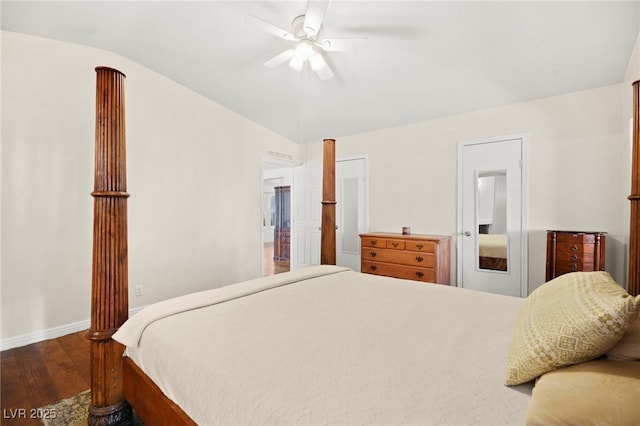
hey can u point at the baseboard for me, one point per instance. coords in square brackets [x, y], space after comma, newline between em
[50, 333]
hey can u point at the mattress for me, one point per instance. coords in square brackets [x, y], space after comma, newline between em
[327, 345]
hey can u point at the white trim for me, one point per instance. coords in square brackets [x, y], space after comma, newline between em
[364, 157]
[50, 333]
[286, 164]
[524, 260]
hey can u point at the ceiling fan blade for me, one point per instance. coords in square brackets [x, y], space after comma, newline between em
[280, 59]
[314, 16]
[343, 44]
[319, 65]
[268, 27]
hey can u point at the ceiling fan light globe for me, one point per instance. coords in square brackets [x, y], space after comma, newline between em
[304, 49]
[316, 61]
[319, 66]
[296, 63]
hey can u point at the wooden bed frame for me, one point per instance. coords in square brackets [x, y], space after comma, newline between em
[493, 263]
[117, 382]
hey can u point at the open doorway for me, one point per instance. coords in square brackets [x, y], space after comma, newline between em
[276, 218]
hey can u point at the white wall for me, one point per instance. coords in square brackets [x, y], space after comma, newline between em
[194, 175]
[576, 156]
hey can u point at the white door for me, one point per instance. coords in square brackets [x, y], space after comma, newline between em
[306, 216]
[351, 210]
[491, 216]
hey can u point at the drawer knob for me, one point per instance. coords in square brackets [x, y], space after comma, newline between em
[394, 244]
[373, 254]
[419, 246]
[420, 274]
[373, 242]
[574, 267]
[373, 267]
[574, 247]
[419, 258]
[574, 257]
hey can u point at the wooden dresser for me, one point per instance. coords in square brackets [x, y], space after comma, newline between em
[415, 257]
[571, 251]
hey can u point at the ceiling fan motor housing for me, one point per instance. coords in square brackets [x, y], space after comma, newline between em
[298, 30]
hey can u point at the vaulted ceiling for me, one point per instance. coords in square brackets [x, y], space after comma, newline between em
[422, 60]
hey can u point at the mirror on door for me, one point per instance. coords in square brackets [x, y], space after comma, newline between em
[491, 229]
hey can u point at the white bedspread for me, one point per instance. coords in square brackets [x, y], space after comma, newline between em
[493, 245]
[341, 348]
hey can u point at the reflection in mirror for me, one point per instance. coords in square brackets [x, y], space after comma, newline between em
[491, 196]
[350, 236]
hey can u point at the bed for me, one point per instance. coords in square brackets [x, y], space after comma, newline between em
[492, 250]
[327, 345]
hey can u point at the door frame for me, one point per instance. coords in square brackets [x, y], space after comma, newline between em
[265, 164]
[365, 207]
[524, 255]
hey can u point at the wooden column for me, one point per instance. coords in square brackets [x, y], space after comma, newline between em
[633, 280]
[109, 286]
[328, 236]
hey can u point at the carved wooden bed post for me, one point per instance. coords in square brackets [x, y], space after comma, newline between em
[633, 280]
[328, 236]
[109, 287]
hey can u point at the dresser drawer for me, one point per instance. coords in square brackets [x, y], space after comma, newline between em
[423, 260]
[563, 256]
[577, 238]
[405, 272]
[374, 242]
[424, 246]
[564, 267]
[575, 248]
[395, 244]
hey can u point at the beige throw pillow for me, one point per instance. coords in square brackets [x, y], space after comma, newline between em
[570, 319]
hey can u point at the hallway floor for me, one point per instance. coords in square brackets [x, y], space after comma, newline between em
[271, 266]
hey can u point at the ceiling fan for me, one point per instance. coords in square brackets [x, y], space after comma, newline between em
[305, 33]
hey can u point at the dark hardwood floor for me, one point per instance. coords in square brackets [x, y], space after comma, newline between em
[42, 373]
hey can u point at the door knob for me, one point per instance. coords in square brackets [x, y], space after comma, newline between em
[467, 234]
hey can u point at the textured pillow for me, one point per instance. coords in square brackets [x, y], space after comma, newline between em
[628, 348]
[570, 319]
[597, 392]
